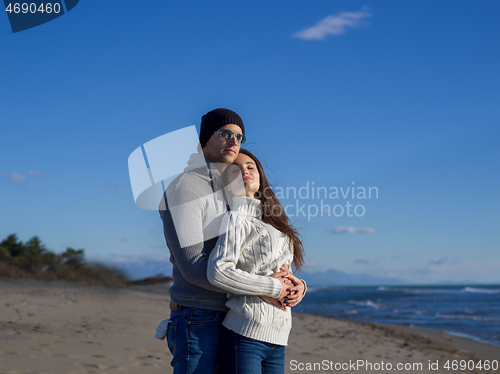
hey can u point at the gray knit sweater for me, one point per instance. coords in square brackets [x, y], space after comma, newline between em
[192, 211]
[247, 252]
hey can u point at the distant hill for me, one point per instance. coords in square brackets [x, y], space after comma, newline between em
[140, 268]
[333, 277]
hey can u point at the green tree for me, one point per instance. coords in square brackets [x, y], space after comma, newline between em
[5, 255]
[33, 254]
[18, 260]
[73, 258]
[10, 244]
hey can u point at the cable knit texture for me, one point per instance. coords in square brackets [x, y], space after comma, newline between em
[247, 252]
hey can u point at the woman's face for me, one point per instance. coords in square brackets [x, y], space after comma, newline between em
[250, 174]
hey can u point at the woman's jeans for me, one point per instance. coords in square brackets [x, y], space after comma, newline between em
[242, 355]
[193, 338]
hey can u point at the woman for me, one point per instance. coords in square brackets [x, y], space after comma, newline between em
[256, 241]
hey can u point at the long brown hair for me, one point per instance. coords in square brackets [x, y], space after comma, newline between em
[274, 214]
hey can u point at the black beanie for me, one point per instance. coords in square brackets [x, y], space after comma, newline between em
[214, 120]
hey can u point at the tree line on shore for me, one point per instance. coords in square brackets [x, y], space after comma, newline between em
[33, 260]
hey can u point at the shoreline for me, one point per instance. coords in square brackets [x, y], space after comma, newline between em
[162, 288]
[452, 343]
[65, 327]
[435, 334]
[341, 341]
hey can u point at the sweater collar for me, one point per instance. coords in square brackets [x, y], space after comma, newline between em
[247, 205]
[202, 166]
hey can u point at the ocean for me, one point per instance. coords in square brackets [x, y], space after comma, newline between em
[468, 311]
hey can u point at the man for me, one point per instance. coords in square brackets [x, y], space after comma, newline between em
[192, 210]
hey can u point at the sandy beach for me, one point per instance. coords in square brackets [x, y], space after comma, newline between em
[61, 327]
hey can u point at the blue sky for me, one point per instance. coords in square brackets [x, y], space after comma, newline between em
[402, 96]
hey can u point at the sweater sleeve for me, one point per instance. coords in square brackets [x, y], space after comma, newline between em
[222, 271]
[182, 218]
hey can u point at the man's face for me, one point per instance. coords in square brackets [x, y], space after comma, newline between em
[220, 151]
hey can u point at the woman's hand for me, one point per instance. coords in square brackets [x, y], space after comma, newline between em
[296, 291]
[285, 285]
[285, 288]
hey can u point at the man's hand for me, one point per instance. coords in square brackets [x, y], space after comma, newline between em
[273, 301]
[292, 289]
[296, 291]
[281, 273]
[285, 285]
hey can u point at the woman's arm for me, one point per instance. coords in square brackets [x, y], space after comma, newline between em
[222, 271]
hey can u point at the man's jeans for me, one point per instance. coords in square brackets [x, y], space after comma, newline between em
[242, 355]
[193, 339]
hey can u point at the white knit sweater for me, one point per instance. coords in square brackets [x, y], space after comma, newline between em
[247, 252]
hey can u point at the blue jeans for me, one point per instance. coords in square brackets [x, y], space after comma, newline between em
[242, 355]
[193, 338]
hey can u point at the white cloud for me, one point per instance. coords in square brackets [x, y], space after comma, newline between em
[463, 272]
[37, 173]
[447, 260]
[336, 24]
[22, 179]
[112, 187]
[368, 260]
[480, 271]
[354, 230]
[399, 256]
[17, 177]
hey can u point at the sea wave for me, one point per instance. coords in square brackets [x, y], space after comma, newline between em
[468, 309]
[416, 291]
[472, 337]
[480, 290]
[473, 318]
[354, 311]
[368, 303]
[410, 311]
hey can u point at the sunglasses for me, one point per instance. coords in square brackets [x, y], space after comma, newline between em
[227, 135]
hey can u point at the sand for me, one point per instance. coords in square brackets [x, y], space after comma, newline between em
[60, 327]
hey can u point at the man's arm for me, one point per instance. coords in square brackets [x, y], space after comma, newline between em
[182, 218]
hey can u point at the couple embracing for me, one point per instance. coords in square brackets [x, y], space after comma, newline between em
[231, 247]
